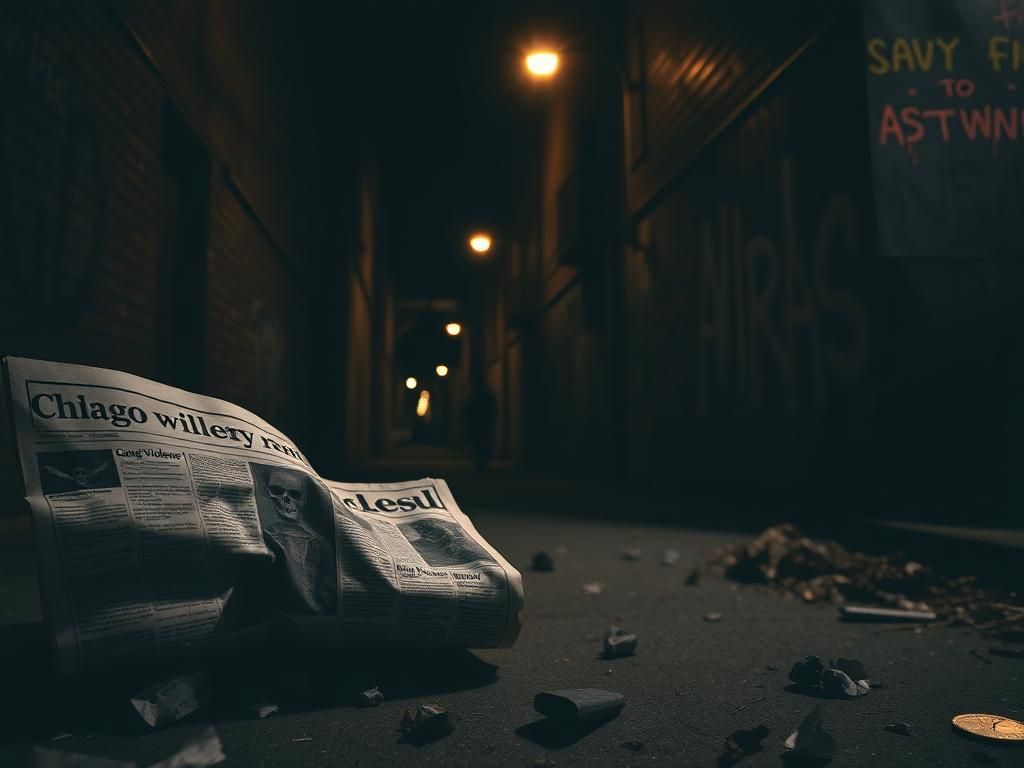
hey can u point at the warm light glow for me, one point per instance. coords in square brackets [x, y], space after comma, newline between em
[480, 242]
[411, 382]
[453, 329]
[542, 63]
[423, 404]
[442, 370]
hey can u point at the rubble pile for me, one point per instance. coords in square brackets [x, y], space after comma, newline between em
[785, 560]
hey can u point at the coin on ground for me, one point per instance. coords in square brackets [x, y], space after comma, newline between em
[993, 727]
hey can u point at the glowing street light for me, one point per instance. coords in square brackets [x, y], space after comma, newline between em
[453, 329]
[411, 382]
[480, 242]
[442, 370]
[542, 64]
[423, 404]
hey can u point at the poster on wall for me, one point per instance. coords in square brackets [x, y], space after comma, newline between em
[945, 92]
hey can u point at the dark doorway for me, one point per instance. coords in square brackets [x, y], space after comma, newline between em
[181, 324]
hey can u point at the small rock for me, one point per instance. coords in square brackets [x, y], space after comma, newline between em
[369, 698]
[669, 557]
[618, 643]
[693, 578]
[593, 588]
[632, 553]
[903, 729]
[427, 723]
[712, 617]
[741, 743]
[543, 562]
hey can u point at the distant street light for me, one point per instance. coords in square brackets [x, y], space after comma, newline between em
[542, 63]
[442, 370]
[423, 404]
[453, 329]
[411, 382]
[480, 242]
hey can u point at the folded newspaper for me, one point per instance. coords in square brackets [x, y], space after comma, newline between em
[170, 524]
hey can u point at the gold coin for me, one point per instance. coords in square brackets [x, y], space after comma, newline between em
[990, 727]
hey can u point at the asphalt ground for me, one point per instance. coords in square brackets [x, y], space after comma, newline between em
[690, 684]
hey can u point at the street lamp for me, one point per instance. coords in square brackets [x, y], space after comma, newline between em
[480, 242]
[441, 370]
[411, 382]
[542, 64]
[453, 329]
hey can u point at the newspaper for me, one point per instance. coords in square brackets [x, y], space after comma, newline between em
[170, 524]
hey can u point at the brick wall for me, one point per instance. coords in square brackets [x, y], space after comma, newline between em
[88, 204]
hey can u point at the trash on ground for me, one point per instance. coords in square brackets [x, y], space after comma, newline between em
[593, 588]
[811, 676]
[632, 553]
[669, 557]
[635, 746]
[739, 744]
[542, 561]
[782, 558]
[170, 700]
[619, 643]
[1007, 653]
[810, 742]
[426, 723]
[712, 617]
[203, 751]
[872, 613]
[693, 578]
[579, 705]
[262, 710]
[55, 758]
[369, 698]
[903, 729]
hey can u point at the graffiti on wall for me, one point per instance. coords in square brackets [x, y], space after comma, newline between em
[773, 322]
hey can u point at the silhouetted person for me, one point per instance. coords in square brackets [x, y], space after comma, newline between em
[480, 412]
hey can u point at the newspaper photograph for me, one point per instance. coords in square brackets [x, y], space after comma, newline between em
[170, 524]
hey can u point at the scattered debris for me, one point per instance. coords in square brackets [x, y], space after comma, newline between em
[1008, 653]
[810, 742]
[983, 757]
[632, 553]
[782, 558]
[635, 746]
[427, 723]
[837, 684]
[593, 588]
[303, 738]
[170, 700]
[62, 735]
[748, 704]
[810, 676]
[873, 613]
[204, 751]
[619, 643]
[669, 557]
[693, 578]
[542, 561]
[739, 744]
[712, 617]
[369, 698]
[979, 657]
[263, 710]
[579, 705]
[903, 729]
